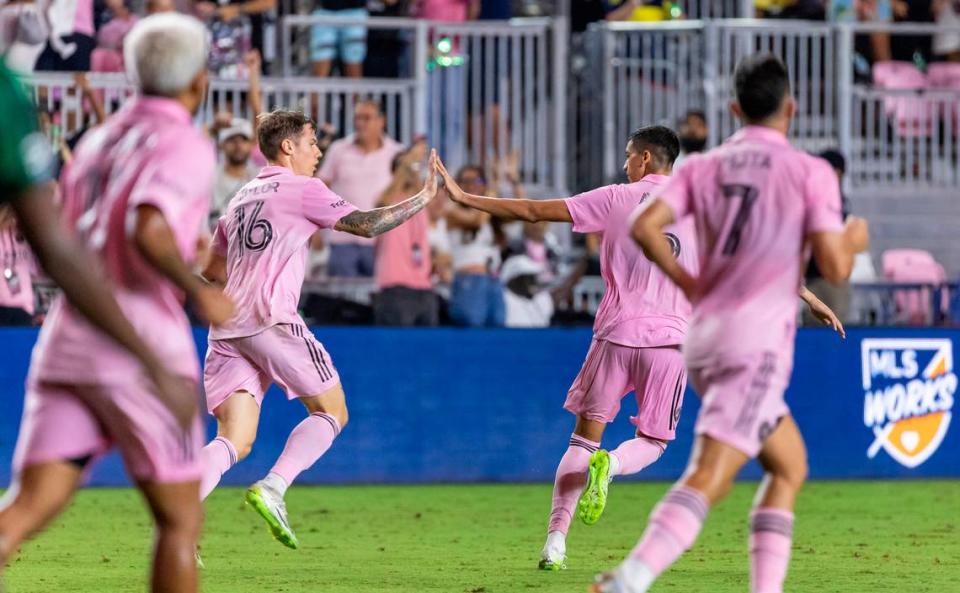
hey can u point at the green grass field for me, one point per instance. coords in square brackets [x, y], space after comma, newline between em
[851, 537]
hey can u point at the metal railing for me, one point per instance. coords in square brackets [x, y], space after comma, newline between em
[482, 90]
[872, 303]
[654, 72]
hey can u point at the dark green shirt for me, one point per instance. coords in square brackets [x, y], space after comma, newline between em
[25, 155]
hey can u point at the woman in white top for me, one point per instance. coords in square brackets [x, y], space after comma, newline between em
[476, 298]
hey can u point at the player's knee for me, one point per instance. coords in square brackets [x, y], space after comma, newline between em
[793, 475]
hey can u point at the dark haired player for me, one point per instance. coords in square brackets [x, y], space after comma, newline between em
[638, 330]
[259, 253]
[756, 202]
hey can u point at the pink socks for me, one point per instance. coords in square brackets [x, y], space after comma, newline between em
[634, 455]
[306, 444]
[218, 456]
[674, 525]
[571, 476]
[771, 534]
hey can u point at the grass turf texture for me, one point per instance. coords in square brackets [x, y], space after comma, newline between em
[851, 537]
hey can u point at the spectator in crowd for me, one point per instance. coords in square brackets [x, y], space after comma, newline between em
[387, 53]
[537, 243]
[238, 13]
[529, 303]
[235, 137]
[357, 167]
[946, 44]
[16, 263]
[349, 43]
[451, 11]
[23, 33]
[439, 238]
[636, 10]
[71, 36]
[476, 297]
[692, 132]
[403, 262]
[108, 56]
[158, 6]
[495, 10]
[835, 296]
[806, 10]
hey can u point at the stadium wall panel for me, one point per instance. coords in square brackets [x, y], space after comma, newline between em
[448, 405]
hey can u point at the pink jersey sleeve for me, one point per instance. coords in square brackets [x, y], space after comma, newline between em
[590, 210]
[676, 192]
[219, 243]
[171, 180]
[823, 211]
[321, 206]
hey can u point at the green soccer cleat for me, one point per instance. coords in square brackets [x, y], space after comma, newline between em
[594, 498]
[553, 563]
[271, 507]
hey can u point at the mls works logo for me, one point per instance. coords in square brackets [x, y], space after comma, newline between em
[908, 390]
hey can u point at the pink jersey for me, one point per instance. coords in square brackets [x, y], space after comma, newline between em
[641, 307]
[403, 255]
[755, 199]
[150, 154]
[264, 237]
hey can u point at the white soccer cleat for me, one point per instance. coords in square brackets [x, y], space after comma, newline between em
[269, 505]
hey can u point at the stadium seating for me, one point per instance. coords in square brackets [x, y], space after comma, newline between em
[913, 266]
[913, 114]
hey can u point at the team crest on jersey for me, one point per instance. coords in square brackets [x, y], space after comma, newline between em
[909, 387]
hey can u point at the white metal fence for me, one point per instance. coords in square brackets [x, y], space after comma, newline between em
[482, 90]
[647, 73]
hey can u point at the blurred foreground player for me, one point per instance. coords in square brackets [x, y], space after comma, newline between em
[138, 193]
[756, 202]
[259, 253]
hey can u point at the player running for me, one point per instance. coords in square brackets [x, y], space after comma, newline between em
[639, 327]
[137, 191]
[756, 202]
[259, 252]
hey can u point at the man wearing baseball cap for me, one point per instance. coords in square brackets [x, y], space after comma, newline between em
[235, 168]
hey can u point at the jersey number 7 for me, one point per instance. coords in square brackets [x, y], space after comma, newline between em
[748, 195]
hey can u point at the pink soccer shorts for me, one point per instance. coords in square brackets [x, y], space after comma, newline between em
[67, 422]
[286, 354]
[742, 399]
[656, 375]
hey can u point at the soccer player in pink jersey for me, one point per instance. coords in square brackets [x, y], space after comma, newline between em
[639, 327]
[259, 253]
[757, 202]
[137, 192]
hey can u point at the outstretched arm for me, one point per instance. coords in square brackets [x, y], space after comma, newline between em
[528, 210]
[647, 231]
[370, 223]
[821, 311]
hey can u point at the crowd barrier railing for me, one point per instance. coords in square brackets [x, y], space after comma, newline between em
[654, 72]
[483, 90]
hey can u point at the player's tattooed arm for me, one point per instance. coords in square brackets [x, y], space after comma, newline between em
[370, 223]
[515, 209]
[821, 311]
